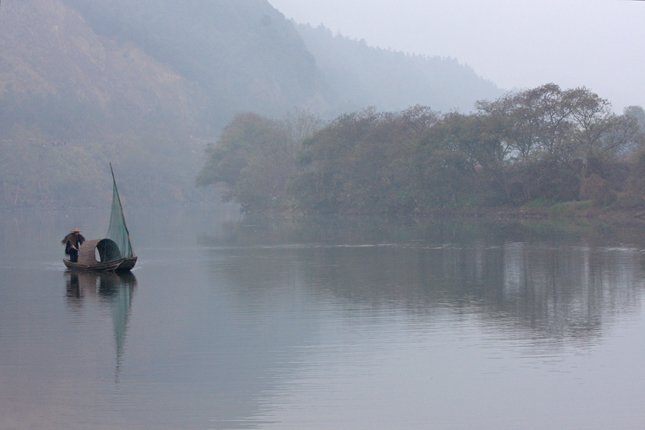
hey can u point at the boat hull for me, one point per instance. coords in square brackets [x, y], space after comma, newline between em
[120, 265]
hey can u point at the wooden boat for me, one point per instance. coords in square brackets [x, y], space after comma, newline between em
[112, 257]
[107, 261]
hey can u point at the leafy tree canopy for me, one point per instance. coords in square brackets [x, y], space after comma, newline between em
[542, 143]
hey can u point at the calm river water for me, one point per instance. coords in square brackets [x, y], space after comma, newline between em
[229, 322]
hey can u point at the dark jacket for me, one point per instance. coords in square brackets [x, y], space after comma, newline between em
[72, 240]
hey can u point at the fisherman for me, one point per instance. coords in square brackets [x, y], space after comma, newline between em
[72, 242]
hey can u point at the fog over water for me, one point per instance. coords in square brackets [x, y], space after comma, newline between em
[592, 43]
[232, 322]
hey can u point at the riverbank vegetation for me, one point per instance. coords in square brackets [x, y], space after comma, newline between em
[541, 146]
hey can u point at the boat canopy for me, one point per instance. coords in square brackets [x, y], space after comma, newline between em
[107, 249]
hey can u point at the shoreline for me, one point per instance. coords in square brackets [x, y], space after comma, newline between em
[495, 213]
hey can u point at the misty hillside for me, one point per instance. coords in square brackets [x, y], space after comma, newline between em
[205, 60]
[147, 84]
[243, 54]
[367, 76]
[56, 73]
[71, 101]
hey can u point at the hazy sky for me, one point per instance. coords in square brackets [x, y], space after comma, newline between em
[516, 44]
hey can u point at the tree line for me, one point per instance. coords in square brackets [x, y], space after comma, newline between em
[537, 146]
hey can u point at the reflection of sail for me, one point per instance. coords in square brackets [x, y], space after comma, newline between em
[120, 289]
[114, 290]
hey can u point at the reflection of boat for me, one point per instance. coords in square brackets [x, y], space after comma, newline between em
[115, 251]
[114, 289]
[83, 283]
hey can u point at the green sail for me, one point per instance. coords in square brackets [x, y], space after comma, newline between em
[118, 230]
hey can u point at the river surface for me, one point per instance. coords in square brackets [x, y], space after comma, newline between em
[233, 322]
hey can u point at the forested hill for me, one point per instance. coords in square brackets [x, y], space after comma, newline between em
[245, 56]
[242, 54]
[362, 75]
[147, 84]
[58, 76]
[205, 60]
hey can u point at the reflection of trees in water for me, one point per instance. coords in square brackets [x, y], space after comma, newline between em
[251, 231]
[111, 289]
[555, 289]
[566, 292]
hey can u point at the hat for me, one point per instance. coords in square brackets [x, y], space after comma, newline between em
[76, 230]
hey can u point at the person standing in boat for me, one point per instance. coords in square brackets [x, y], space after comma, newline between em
[72, 242]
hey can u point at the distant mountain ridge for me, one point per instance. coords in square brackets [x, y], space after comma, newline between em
[147, 84]
[368, 76]
[243, 54]
[205, 60]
